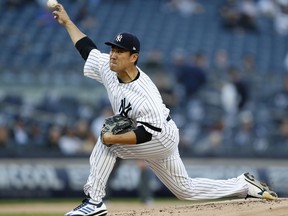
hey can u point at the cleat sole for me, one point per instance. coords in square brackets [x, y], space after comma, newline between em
[268, 196]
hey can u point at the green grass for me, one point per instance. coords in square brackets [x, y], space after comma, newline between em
[42, 200]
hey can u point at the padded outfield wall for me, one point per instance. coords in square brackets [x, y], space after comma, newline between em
[47, 178]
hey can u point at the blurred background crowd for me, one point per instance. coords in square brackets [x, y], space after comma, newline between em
[220, 65]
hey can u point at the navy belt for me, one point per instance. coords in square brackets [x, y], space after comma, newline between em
[152, 127]
[168, 118]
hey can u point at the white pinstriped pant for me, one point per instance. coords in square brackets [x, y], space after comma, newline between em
[162, 156]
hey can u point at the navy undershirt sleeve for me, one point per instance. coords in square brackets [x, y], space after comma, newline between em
[84, 46]
[142, 135]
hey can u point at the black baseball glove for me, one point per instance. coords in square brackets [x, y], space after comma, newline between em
[116, 124]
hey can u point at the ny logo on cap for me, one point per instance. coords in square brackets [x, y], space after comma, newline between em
[119, 38]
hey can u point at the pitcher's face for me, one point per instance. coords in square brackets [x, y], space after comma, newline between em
[121, 59]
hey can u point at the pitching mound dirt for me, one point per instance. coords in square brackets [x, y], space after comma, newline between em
[249, 207]
[224, 208]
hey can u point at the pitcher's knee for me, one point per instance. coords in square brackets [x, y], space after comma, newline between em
[183, 195]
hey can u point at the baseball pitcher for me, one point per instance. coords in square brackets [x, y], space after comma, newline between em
[151, 134]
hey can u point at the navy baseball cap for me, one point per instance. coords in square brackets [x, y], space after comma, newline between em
[126, 41]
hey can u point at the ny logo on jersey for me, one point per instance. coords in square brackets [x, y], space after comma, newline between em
[123, 110]
[119, 38]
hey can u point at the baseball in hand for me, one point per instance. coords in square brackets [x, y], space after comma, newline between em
[51, 4]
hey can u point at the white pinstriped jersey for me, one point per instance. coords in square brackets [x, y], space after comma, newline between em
[140, 100]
